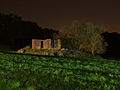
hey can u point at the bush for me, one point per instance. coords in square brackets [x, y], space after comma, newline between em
[23, 50]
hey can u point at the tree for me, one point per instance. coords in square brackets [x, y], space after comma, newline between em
[84, 36]
[18, 33]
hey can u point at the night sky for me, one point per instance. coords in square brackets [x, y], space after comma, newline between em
[57, 13]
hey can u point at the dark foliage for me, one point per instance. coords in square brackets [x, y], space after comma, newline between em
[18, 33]
[113, 41]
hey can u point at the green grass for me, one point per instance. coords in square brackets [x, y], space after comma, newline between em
[12, 85]
[5, 48]
[57, 73]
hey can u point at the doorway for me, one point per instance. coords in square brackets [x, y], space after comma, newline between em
[41, 43]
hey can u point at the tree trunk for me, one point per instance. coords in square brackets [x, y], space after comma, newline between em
[93, 53]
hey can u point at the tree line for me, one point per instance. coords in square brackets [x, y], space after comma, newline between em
[91, 38]
[18, 33]
[86, 36]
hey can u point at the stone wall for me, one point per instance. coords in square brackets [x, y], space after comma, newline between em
[36, 44]
[59, 44]
[47, 43]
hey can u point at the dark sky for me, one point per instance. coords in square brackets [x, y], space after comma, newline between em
[57, 13]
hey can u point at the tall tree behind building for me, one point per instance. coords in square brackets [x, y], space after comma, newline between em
[84, 36]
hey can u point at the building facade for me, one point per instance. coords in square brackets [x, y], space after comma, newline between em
[47, 43]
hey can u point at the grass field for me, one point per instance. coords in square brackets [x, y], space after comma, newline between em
[26, 72]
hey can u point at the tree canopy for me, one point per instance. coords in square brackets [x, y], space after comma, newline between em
[16, 32]
[84, 36]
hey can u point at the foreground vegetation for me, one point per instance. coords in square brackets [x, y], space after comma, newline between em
[58, 73]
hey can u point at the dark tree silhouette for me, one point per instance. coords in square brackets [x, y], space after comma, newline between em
[113, 41]
[18, 33]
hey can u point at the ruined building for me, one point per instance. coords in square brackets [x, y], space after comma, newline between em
[47, 43]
